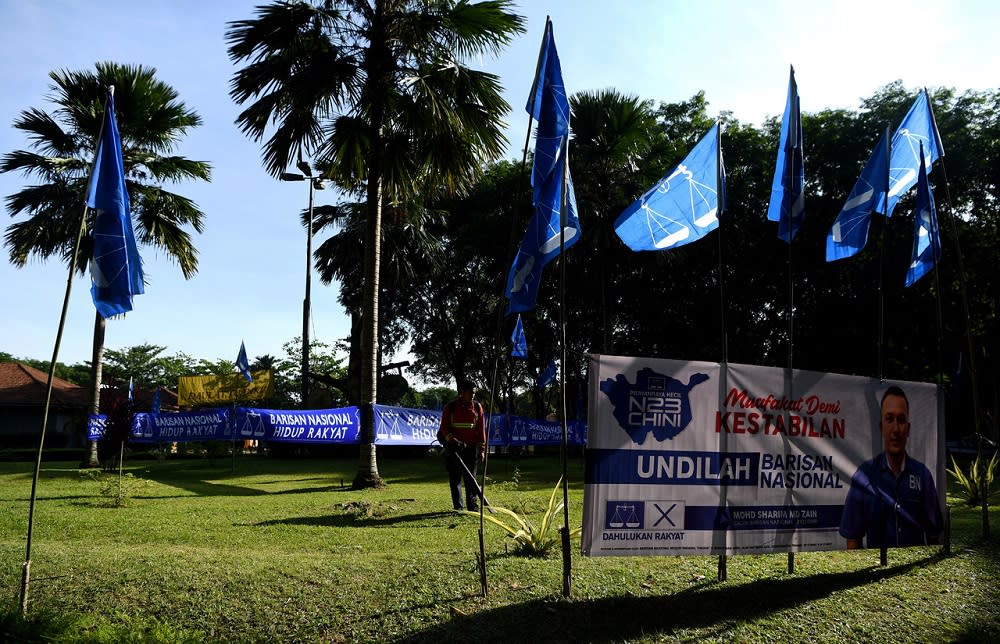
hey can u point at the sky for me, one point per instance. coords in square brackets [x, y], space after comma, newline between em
[251, 278]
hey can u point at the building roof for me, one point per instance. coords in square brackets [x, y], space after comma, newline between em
[25, 386]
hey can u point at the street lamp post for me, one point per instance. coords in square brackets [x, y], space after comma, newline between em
[315, 183]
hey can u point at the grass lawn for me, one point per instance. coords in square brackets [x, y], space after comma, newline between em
[282, 551]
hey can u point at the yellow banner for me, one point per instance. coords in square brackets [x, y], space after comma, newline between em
[215, 390]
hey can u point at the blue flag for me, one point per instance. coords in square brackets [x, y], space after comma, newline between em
[787, 205]
[850, 230]
[917, 128]
[131, 390]
[519, 343]
[243, 364]
[926, 237]
[550, 229]
[683, 206]
[547, 376]
[116, 269]
[154, 407]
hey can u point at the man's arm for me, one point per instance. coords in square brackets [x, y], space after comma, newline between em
[480, 428]
[445, 428]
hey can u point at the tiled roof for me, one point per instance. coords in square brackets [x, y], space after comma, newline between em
[24, 386]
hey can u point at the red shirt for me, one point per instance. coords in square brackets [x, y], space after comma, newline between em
[464, 421]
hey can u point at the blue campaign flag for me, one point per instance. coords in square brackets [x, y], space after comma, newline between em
[918, 128]
[116, 268]
[518, 341]
[154, 407]
[550, 229]
[243, 364]
[850, 230]
[548, 105]
[926, 237]
[131, 390]
[683, 206]
[547, 376]
[787, 205]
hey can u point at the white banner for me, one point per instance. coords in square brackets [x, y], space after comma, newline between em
[704, 458]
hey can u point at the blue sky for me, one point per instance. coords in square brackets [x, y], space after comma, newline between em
[252, 254]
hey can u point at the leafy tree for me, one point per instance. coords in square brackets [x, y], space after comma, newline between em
[325, 368]
[379, 91]
[669, 304]
[151, 122]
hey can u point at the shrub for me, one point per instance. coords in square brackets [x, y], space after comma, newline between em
[117, 490]
[976, 482]
[532, 541]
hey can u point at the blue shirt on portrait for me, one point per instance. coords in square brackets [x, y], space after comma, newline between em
[892, 510]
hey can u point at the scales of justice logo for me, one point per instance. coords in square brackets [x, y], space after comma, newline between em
[655, 403]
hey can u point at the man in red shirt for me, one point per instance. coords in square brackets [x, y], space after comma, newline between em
[463, 435]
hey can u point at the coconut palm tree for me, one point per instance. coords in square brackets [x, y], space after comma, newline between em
[613, 138]
[379, 93]
[151, 122]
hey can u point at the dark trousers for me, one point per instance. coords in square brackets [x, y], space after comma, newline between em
[457, 474]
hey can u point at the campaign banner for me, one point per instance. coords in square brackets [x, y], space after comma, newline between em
[204, 425]
[527, 431]
[404, 426]
[96, 424]
[707, 458]
[223, 390]
[322, 426]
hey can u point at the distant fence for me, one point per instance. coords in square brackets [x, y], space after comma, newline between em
[393, 426]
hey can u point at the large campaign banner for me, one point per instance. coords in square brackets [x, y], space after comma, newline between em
[205, 425]
[707, 458]
[317, 426]
[225, 389]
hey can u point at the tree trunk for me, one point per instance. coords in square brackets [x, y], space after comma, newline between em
[367, 475]
[96, 369]
[378, 63]
[354, 359]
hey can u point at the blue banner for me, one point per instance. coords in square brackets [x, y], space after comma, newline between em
[204, 425]
[96, 423]
[527, 431]
[342, 426]
[325, 426]
[403, 426]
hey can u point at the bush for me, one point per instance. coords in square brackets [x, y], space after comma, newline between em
[117, 490]
[977, 481]
[532, 540]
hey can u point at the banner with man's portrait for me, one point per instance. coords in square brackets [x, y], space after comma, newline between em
[709, 458]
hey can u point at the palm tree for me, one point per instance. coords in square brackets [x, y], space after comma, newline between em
[151, 122]
[379, 92]
[613, 138]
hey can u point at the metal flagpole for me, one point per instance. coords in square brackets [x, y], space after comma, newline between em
[722, 572]
[881, 260]
[26, 567]
[500, 313]
[793, 136]
[963, 290]
[567, 563]
[884, 550]
[968, 324]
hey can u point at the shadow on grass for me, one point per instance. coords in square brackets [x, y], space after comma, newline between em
[357, 521]
[710, 608]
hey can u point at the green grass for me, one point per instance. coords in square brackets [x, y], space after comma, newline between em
[281, 551]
